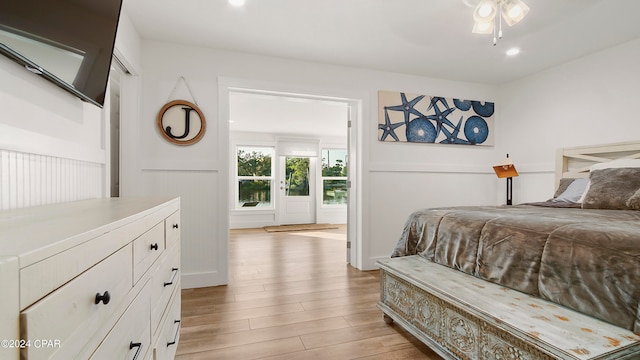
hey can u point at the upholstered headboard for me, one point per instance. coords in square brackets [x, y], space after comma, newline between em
[574, 162]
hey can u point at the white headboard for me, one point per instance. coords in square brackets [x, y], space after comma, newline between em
[574, 162]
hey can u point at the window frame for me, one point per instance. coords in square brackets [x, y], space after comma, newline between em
[324, 178]
[270, 178]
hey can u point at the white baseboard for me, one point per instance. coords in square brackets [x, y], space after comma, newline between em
[205, 279]
[370, 264]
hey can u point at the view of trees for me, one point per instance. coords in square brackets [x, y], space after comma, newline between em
[297, 173]
[255, 177]
[334, 162]
[337, 170]
[252, 165]
[334, 191]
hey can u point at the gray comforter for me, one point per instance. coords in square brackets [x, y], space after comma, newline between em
[587, 260]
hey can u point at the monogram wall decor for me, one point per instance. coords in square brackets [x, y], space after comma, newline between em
[181, 122]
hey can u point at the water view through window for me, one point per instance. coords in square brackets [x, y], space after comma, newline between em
[334, 176]
[255, 177]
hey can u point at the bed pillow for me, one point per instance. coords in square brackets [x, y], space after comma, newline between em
[615, 188]
[634, 201]
[573, 192]
[562, 187]
[613, 164]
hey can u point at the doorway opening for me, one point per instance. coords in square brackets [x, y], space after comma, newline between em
[303, 191]
[116, 75]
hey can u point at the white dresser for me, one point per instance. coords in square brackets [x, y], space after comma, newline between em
[92, 279]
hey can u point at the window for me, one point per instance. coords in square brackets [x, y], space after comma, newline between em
[334, 176]
[254, 176]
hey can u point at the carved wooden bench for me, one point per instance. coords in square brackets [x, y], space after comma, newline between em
[463, 317]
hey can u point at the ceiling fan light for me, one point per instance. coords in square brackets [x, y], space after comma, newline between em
[483, 27]
[485, 11]
[513, 11]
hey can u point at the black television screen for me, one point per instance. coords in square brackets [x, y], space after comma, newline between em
[69, 42]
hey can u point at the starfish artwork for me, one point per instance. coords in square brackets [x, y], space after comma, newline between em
[388, 128]
[404, 117]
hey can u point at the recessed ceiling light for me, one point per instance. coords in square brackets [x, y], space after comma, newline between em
[237, 2]
[513, 51]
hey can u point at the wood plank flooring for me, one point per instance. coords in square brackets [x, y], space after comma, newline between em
[291, 296]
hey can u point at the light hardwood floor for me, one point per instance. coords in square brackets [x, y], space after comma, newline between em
[291, 296]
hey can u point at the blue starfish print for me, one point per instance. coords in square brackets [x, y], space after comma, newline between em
[407, 107]
[435, 99]
[388, 128]
[452, 137]
[440, 117]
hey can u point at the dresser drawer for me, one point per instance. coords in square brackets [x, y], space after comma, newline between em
[167, 343]
[72, 314]
[146, 249]
[130, 338]
[163, 284]
[52, 272]
[172, 229]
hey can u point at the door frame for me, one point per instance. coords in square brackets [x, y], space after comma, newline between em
[355, 210]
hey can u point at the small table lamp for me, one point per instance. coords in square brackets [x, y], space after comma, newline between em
[506, 169]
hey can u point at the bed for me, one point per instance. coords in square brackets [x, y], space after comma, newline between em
[554, 279]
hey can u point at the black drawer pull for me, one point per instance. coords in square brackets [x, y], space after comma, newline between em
[175, 226]
[175, 337]
[105, 298]
[135, 345]
[175, 272]
[154, 246]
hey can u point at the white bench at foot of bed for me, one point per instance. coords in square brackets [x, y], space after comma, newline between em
[463, 317]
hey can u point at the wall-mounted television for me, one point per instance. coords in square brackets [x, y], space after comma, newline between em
[68, 42]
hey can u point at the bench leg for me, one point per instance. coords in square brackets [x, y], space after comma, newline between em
[387, 319]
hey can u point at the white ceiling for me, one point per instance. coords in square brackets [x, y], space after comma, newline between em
[286, 115]
[422, 37]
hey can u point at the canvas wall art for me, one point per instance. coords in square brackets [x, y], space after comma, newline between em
[404, 117]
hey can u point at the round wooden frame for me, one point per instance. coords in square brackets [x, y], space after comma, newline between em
[203, 123]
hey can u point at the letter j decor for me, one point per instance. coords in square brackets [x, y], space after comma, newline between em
[181, 122]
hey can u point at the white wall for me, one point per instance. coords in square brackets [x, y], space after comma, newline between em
[592, 100]
[424, 174]
[564, 106]
[52, 145]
